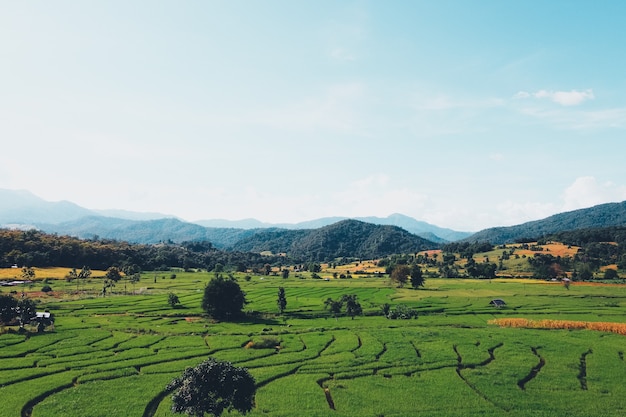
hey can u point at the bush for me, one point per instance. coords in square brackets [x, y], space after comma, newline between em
[400, 312]
[46, 288]
[172, 300]
[264, 343]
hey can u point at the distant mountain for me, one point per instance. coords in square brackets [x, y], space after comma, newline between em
[235, 224]
[147, 231]
[603, 215]
[132, 215]
[23, 207]
[420, 228]
[346, 238]
[23, 210]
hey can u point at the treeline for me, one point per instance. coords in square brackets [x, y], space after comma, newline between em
[37, 249]
[598, 247]
[467, 249]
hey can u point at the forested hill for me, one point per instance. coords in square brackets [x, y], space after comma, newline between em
[582, 237]
[37, 249]
[603, 215]
[347, 238]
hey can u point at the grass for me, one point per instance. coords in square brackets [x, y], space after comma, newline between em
[113, 356]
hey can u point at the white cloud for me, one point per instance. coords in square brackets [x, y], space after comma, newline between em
[512, 213]
[522, 95]
[564, 98]
[587, 192]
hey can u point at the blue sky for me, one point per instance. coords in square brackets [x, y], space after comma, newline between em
[463, 114]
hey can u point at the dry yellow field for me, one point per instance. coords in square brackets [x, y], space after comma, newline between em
[554, 249]
[42, 273]
[619, 328]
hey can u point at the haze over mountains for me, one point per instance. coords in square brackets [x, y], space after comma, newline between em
[22, 209]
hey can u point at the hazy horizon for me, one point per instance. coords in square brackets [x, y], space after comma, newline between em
[465, 115]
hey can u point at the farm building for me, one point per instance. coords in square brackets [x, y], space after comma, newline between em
[497, 302]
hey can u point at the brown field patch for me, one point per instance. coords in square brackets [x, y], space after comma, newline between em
[612, 327]
[553, 248]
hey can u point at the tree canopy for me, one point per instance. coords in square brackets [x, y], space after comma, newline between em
[213, 387]
[223, 298]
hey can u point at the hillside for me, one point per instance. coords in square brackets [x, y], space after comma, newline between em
[347, 238]
[420, 228]
[603, 215]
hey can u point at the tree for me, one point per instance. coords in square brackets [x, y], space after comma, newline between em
[282, 300]
[25, 311]
[610, 273]
[400, 274]
[585, 273]
[172, 300]
[106, 285]
[83, 275]
[353, 307]
[113, 274]
[79, 276]
[71, 276]
[134, 278]
[8, 305]
[28, 274]
[223, 298]
[334, 306]
[213, 387]
[417, 278]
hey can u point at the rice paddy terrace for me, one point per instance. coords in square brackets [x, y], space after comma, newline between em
[114, 356]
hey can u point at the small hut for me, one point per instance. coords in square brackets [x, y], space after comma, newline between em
[497, 302]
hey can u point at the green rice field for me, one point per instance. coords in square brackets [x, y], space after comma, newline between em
[114, 356]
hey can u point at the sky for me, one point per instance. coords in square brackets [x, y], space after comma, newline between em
[466, 115]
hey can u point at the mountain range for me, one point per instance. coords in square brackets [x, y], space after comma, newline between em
[24, 210]
[602, 215]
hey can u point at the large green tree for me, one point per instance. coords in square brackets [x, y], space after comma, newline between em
[223, 298]
[417, 278]
[353, 307]
[213, 387]
[334, 306]
[400, 274]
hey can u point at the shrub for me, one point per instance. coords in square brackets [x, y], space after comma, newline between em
[264, 343]
[400, 312]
